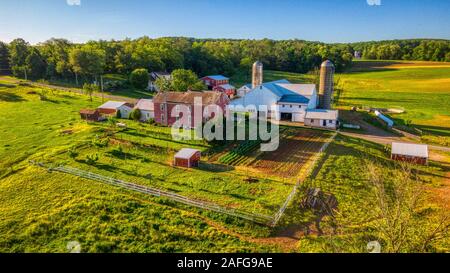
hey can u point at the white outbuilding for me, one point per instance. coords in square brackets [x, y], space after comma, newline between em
[147, 109]
[320, 118]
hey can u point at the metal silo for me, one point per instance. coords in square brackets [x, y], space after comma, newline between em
[257, 74]
[326, 84]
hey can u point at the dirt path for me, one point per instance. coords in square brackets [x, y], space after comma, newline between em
[71, 90]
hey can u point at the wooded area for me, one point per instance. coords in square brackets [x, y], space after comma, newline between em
[59, 58]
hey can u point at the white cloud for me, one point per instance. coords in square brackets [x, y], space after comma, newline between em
[374, 2]
[73, 2]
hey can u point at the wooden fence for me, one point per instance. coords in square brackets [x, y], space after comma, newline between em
[254, 217]
[271, 221]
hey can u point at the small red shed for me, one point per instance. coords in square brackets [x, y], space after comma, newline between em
[90, 115]
[187, 158]
[412, 153]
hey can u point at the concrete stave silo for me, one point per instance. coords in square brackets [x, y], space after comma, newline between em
[257, 74]
[326, 88]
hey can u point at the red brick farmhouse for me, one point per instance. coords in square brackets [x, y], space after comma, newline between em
[165, 102]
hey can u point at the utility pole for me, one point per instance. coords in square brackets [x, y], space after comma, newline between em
[101, 88]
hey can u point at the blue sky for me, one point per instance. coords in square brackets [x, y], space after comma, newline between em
[316, 20]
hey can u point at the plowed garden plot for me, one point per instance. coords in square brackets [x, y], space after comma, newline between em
[297, 146]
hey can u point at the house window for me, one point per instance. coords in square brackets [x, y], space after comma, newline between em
[300, 107]
[162, 117]
[290, 106]
[312, 120]
[161, 107]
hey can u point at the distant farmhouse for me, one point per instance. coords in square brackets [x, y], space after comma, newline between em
[291, 102]
[165, 102]
[219, 83]
[157, 75]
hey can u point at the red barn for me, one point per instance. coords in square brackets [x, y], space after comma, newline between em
[227, 89]
[216, 80]
[412, 153]
[166, 102]
[187, 158]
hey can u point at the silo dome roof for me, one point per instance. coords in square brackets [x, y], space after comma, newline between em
[258, 63]
[327, 63]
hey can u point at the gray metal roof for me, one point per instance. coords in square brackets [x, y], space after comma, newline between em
[322, 114]
[145, 105]
[409, 149]
[112, 105]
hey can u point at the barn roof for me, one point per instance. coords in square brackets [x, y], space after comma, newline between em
[145, 105]
[208, 97]
[227, 86]
[88, 111]
[186, 153]
[218, 77]
[112, 105]
[322, 114]
[293, 93]
[409, 149]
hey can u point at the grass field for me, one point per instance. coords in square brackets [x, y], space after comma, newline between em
[41, 211]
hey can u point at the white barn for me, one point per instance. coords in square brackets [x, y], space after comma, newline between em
[290, 101]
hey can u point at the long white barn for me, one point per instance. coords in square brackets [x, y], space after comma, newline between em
[290, 101]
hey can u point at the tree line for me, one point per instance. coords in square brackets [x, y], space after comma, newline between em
[413, 50]
[59, 58]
